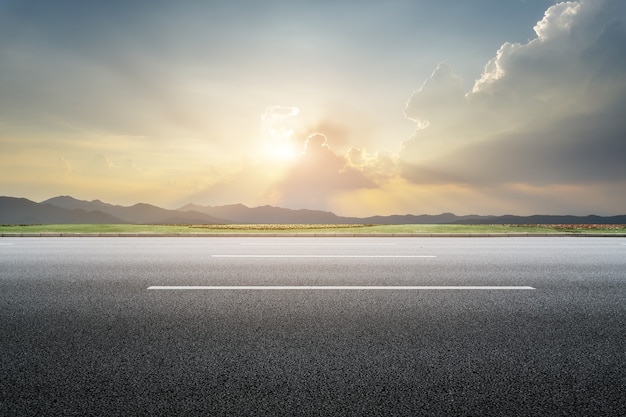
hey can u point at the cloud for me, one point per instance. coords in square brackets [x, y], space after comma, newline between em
[277, 131]
[379, 166]
[314, 180]
[558, 20]
[317, 176]
[276, 114]
[440, 95]
[339, 128]
[549, 111]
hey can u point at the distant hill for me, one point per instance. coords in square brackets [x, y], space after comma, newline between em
[549, 219]
[138, 213]
[238, 213]
[445, 218]
[68, 210]
[23, 211]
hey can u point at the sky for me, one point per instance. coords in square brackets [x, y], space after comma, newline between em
[356, 107]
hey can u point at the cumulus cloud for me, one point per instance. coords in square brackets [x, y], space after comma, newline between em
[379, 166]
[440, 109]
[549, 111]
[439, 96]
[318, 175]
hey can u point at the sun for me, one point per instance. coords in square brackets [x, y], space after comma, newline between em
[281, 152]
[277, 137]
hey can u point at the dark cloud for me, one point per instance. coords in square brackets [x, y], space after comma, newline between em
[586, 149]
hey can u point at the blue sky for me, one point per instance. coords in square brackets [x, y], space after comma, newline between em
[361, 108]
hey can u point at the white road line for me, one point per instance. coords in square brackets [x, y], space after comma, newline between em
[6, 244]
[319, 244]
[323, 256]
[332, 287]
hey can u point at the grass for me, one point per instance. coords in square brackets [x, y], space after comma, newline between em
[311, 228]
[94, 228]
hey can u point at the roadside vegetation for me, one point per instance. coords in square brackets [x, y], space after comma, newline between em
[311, 229]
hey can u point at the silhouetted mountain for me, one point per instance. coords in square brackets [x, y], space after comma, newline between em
[71, 203]
[238, 213]
[548, 219]
[139, 213]
[23, 211]
[68, 210]
[444, 218]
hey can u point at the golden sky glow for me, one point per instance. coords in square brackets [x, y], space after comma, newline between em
[360, 108]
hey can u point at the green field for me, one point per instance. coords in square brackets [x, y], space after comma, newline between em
[310, 229]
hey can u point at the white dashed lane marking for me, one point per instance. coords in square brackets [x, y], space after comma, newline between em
[334, 287]
[323, 256]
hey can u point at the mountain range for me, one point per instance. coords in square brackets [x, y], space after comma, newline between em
[68, 210]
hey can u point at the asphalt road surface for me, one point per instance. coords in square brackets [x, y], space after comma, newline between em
[152, 326]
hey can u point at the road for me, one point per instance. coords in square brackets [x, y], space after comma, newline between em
[91, 326]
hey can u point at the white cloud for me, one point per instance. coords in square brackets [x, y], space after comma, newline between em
[378, 166]
[318, 176]
[276, 114]
[557, 20]
[549, 111]
[440, 95]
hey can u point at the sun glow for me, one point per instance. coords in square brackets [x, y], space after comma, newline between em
[279, 144]
[284, 152]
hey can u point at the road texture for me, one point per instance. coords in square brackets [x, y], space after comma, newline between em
[82, 334]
